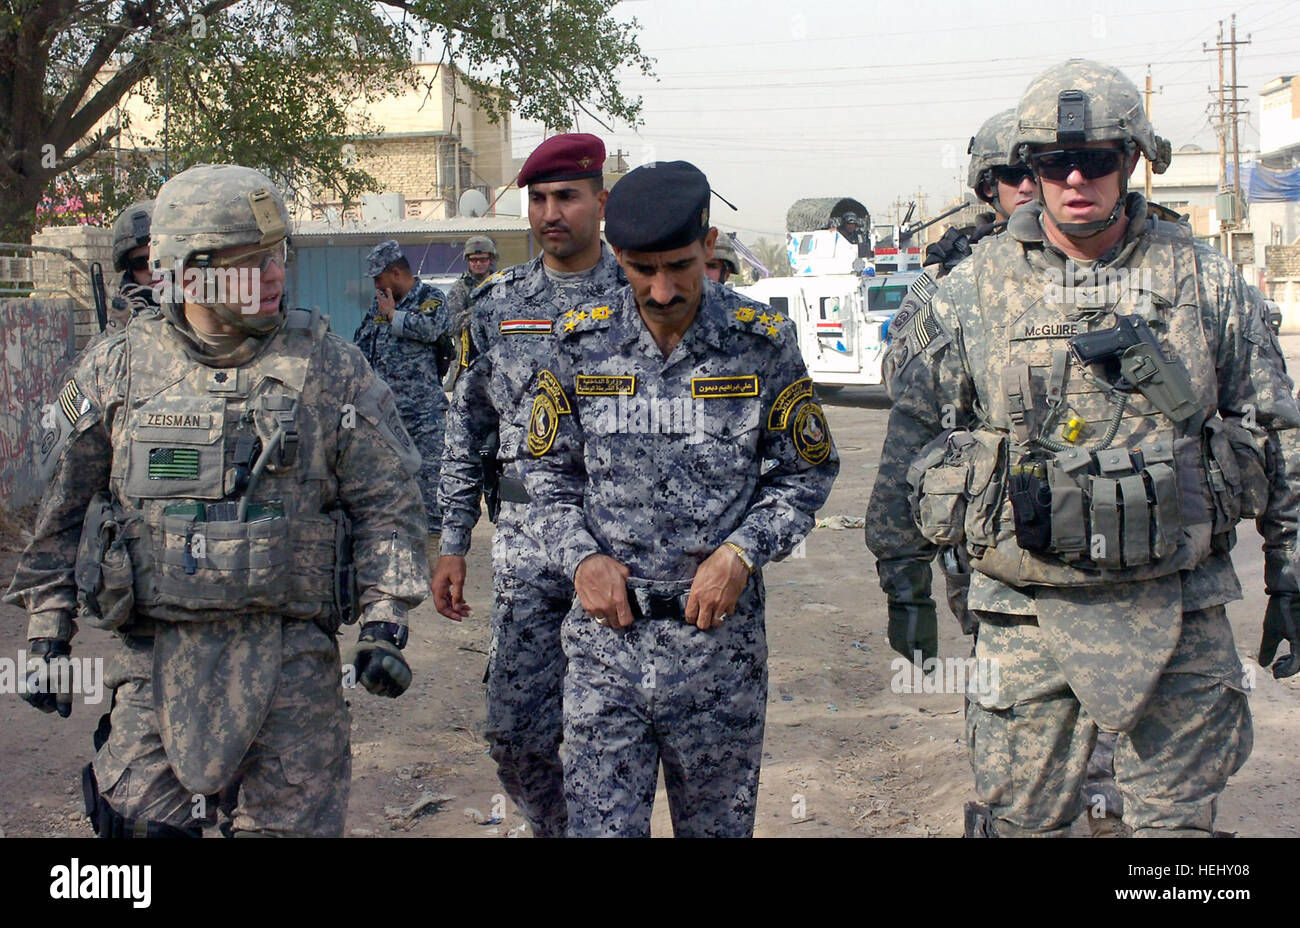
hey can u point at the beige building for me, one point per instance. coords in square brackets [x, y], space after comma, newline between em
[430, 149]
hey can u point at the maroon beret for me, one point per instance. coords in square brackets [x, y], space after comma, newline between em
[564, 157]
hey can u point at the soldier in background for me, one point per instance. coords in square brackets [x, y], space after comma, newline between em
[676, 447]
[480, 263]
[223, 453]
[511, 324]
[1097, 511]
[135, 292]
[724, 262]
[406, 337]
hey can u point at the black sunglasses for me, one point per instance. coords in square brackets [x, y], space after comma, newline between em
[138, 263]
[1091, 162]
[1013, 176]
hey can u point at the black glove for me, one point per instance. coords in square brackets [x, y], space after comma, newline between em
[949, 250]
[37, 688]
[1281, 623]
[913, 619]
[380, 667]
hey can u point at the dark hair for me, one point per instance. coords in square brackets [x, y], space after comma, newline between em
[402, 265]
[597, 183]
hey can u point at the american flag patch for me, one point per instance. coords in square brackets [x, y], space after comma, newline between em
[526, 327]
[173, 464]
[73, 402]
[926, 327]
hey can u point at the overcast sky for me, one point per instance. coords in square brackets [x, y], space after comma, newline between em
[781, 100]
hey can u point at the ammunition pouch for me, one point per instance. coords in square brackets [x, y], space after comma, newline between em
[103, 572]
[1074, 518]
[206, 559]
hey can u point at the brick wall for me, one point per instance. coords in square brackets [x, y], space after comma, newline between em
[87, 244]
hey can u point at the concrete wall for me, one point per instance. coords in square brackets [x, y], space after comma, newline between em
[87, 244]
[37, 344]
[1282, 275]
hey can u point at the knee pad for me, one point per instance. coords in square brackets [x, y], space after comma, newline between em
[107, 822]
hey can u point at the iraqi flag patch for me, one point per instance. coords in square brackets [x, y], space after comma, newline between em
[526, 327]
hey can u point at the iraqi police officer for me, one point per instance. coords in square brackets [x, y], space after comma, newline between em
[675, 447]
[724, 262]
[246, 485]
[406, 337]
[1111, 402]
[512, 318]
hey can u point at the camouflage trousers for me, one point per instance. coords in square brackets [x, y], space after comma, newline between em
[1031, 758]
[662, 690]
[524, 676]
[428, 438]
[295, 777]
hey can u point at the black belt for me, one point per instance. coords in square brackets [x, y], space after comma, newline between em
[659, 605]
[512, 490]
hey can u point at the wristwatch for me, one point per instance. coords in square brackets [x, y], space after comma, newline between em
[740, 553]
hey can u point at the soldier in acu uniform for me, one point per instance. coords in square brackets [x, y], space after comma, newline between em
[676, 448]
[406, 337]
[246, 485]
[512, 317]
[135, 292]
[724, 262]
[1094, 402]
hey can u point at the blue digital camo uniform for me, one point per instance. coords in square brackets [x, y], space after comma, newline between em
[403, 353]
[656, 462]
[512, 317]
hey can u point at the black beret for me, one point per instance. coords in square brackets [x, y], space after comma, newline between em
[658, 207]
[564, 157]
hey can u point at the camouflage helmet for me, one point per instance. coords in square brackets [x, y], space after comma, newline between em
[480, 244]
[130, 231]
[725, 251]
[1085, 101]
[211, 207]
[988, 148]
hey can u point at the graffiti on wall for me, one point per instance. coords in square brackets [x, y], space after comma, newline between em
[37, 343]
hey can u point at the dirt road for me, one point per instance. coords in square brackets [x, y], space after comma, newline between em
[844, 755]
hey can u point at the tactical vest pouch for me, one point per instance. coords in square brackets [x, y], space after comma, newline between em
[105, 591]
[1238, 481]
[344, 588]
[939, 479]
[1031, 504]
[204, 564]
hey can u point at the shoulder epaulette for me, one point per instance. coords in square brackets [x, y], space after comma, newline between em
[756, 318]
[514, 272]
[587, 317]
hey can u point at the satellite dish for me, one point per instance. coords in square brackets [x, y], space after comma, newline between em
[472, 203]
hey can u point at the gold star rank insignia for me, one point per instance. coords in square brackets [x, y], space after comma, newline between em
[772, 330]
[764, 319]
[744, 314]
[777, 317]
[600, 312]
[570, 326]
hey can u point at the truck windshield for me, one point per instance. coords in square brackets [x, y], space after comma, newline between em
[885, 299]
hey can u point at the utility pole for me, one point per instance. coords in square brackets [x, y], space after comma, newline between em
[1229, 108]
[1236, 112]
[1147, 105]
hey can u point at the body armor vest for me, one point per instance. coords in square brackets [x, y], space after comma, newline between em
[1123, 492]
[222, 472]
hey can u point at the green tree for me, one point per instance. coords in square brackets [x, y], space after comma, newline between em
[274, 84]
[774, 255]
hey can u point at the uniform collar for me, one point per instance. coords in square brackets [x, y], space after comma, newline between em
[536, 281]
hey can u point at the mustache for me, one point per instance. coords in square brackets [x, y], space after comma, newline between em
[675, 301]
[555, 227]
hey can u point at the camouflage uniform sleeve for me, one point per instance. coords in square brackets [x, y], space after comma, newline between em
[77, 452]
[932, 391]
[427, 322]
[797, 438]
[901, 339]
[458, 306]
[1253, 377]
[375, 466]
[471, 421]
[554, 471]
